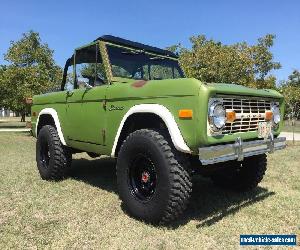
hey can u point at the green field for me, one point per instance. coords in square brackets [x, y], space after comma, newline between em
[84, 211]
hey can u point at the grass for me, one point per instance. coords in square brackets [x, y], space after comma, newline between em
[289, 128]
[12, 122]
[84, 211]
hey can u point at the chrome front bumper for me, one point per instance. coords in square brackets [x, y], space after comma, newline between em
[239, 150]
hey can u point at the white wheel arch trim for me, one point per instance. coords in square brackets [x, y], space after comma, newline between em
[165, 115]
[53, 113]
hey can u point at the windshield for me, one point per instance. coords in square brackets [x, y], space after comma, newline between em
[137, 64]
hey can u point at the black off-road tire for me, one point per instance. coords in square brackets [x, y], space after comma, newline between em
[242, 176]
[170, 178]
[53, 159]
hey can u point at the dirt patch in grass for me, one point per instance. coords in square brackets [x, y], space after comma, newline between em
[84, 211]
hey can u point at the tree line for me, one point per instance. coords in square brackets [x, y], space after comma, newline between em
[31, 69]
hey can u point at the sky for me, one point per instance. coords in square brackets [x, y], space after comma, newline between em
[65, 24]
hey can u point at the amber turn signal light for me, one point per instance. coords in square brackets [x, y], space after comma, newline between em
[185, 113]
[268, 115]
[230, 116]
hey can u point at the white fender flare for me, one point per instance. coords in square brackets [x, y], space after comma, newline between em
[53, 113]
[165, 115]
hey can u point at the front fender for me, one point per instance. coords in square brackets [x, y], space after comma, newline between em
[165, 115]
[52, 112]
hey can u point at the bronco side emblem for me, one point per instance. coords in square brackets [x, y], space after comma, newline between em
[112, 107]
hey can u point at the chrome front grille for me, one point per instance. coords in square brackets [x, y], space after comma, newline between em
[249, 112]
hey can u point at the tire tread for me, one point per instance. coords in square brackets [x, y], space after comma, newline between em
[61, 155]
[181, 184]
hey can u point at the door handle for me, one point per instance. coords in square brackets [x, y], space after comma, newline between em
[104, 103]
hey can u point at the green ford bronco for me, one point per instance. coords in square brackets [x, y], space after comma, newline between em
[132, 102]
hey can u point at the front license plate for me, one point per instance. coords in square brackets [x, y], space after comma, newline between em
[264, 129]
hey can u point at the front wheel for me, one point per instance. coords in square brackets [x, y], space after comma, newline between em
[53, 159]
[242, 176]
[153, 182]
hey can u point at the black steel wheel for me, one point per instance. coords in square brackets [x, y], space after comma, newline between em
[44, 154]
[142, 177]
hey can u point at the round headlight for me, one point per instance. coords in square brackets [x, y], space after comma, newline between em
[217, 115]
[276, 113]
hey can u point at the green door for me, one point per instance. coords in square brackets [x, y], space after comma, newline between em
[86, 115]
[94, 114]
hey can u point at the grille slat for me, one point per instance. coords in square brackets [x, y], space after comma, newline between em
[248, 111]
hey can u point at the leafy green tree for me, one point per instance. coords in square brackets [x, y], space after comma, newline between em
[31, 70]
[294, 78]
[291, 92]
[212, 61]
[263, 57]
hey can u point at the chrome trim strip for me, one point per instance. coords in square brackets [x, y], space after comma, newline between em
[239, 150]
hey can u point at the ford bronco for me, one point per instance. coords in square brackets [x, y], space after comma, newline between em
[132, 102]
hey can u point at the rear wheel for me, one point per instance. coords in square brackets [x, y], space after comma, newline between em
[242, 176]
[53, 159]
[153, 182]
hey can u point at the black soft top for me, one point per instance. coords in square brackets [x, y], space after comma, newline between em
[128, 43]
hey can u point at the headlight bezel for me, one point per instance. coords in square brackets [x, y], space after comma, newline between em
[216, 122]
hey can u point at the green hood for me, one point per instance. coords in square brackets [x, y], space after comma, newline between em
[222, 88]
[191, 87]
